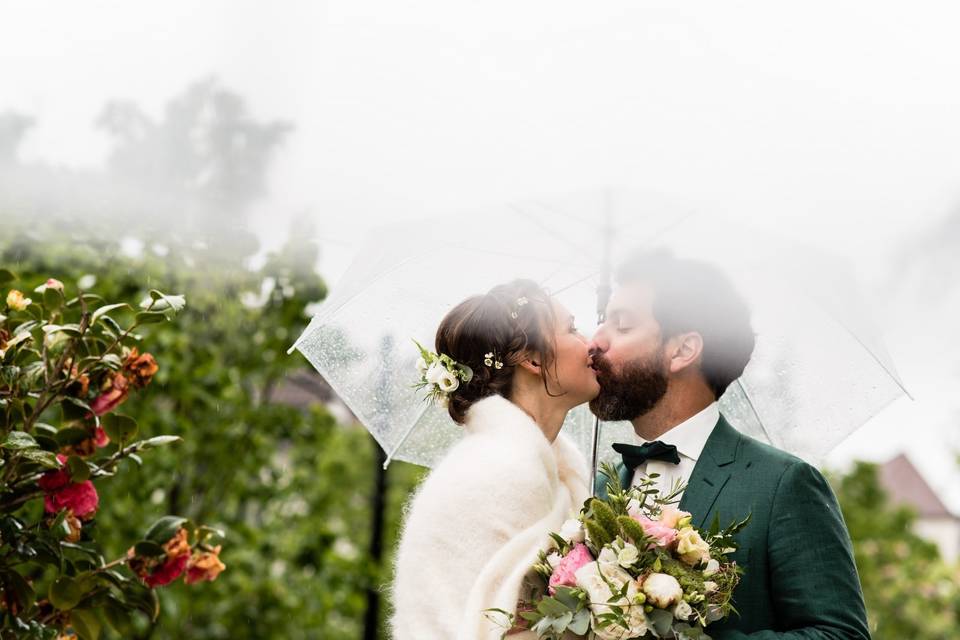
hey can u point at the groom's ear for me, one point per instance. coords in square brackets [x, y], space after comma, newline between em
[684, 350]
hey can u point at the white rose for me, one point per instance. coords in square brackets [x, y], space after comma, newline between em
[682, 611]
[691, 548]
[572, 530]
[590, 580]
[421, 366]
[712, 567]
[709, 586]
[448, 382]
[553, 560]
[628, 556]
[662, 590]
[434, 372]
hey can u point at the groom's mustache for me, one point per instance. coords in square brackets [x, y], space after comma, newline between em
[600, 363]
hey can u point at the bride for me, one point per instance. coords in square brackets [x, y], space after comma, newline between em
[476, 524]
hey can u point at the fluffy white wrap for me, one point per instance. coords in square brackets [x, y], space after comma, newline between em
[475, 525]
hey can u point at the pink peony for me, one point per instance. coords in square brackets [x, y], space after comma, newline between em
[563, 575]
[662, 535]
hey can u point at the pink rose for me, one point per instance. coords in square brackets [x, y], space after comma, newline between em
[662, 535]
[670, 516]
[563, 575]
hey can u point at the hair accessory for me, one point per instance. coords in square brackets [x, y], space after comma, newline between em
[440, 374]
[491, 360]
[521, 301]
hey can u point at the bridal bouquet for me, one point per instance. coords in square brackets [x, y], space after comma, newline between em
[631, 566]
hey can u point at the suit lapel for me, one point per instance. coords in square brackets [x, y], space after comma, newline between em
[712, 471]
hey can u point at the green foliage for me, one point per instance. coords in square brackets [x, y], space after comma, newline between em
[910, 591]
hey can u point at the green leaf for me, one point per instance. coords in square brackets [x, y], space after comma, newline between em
[163, 529]
[52, 298]
[39, 456]
[156, 441]
[99, 313]
[148, 548]
[15, 585]
[79, 470]
[86, 623]
[66, 592]
[71, 435]
[19, 440]
[119, 427]
[150, 317]
[580, 623]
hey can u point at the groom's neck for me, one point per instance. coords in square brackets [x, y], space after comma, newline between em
[676, 407]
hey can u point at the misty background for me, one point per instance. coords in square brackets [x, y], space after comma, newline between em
[834, 123]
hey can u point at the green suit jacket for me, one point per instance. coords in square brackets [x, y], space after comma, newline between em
[800, 581]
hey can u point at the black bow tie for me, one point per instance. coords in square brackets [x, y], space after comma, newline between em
[634, 456]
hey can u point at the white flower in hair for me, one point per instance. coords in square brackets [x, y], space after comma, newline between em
[440, 375]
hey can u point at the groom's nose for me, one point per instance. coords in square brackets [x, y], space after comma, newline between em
[599, 343]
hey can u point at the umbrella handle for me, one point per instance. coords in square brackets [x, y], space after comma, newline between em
[594, 446]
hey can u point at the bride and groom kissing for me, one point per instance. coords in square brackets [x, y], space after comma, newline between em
[676, 334]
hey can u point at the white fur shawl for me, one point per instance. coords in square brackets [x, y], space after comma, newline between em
[476, 523]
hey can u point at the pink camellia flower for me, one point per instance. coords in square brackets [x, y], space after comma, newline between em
[169, 571]
[114, 393]
[564, 574]
[101, 439]
[662, 535]
[79, 497]
[53, 283]
[671, 516]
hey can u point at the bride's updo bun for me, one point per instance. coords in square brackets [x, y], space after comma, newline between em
[509, 321]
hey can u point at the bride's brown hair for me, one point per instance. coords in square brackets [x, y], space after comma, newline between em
[501, 323]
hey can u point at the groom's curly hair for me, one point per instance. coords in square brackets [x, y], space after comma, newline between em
[485, 324]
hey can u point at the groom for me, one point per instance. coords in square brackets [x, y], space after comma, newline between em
[676, 334]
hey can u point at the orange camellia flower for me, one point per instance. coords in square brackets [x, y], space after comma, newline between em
[114, 391]
[178, 545]
[139, 368]
[204, 566]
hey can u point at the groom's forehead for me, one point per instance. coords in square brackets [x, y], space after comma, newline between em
[631, 298]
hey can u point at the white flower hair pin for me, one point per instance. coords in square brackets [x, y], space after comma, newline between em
[521, 301]
[491, 359]
[440, 374]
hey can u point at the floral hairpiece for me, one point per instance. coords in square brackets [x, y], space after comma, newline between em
[491, 359]
[521, 301]
[440, 374]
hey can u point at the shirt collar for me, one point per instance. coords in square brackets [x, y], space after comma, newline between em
[690, 436]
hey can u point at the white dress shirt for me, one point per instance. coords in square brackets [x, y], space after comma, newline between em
[688, 437]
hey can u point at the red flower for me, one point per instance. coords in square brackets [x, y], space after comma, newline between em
[80, 497]
[114, 393]
[101, 439]
[167, 572]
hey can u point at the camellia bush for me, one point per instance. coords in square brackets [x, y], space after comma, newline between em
[66, 366]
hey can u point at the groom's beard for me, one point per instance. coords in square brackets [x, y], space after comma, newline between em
[631, 393]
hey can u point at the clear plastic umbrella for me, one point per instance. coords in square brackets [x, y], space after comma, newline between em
[819, 370]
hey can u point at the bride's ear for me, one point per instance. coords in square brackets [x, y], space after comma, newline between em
[531, 362]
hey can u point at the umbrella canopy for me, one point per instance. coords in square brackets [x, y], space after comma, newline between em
[819, 370]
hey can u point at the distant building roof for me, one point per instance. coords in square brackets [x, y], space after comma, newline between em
[301, 389]
[905, 486]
